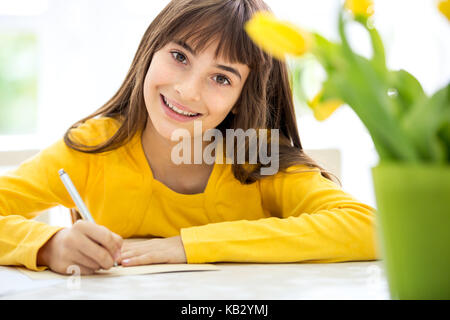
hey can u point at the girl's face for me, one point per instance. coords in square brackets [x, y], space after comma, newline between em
[183, 86]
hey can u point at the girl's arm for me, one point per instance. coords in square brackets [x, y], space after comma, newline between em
[35, 186]
[25, 192]
[312, 220]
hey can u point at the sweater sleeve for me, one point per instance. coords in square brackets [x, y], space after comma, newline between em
[35, 186]
[312, 220]
[28, 190]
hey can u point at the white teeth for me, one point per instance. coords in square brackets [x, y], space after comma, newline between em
[184, 113]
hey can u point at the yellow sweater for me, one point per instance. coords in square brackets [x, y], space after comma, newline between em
[283, 218]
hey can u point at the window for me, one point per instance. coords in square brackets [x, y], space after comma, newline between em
[18, 83]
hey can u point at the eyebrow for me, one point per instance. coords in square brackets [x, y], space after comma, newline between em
[220, 66]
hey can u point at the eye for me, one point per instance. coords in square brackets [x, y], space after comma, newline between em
[179, 57]
[222, 80]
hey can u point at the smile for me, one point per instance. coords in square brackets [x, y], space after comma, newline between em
[179, 111]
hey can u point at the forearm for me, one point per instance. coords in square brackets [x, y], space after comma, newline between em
[21, 239]
[328, 236]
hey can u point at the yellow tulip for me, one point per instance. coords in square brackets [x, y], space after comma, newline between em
[360, 7]
[444, 8]
[324, 109]
[277, 37]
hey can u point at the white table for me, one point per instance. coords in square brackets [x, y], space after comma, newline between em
[341, 281]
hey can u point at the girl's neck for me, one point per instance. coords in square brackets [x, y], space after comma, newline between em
[184, 178]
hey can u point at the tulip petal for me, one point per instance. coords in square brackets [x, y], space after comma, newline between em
[444, 8]
[324, 110]
[360, 7]
[276, 37]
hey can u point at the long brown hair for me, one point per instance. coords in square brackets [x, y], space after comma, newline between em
[266, 100]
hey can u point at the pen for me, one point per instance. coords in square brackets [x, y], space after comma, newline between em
[84, 211]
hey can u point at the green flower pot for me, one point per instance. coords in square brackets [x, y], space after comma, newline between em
[414, 228]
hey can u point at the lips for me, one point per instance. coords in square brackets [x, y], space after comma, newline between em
[179, 106]
[172, 114]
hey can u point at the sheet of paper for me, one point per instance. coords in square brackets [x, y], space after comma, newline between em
[123, 271]
[13, 281]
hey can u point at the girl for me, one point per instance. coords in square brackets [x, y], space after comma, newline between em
[195, 63]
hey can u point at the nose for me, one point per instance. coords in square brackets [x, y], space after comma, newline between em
[189, 88]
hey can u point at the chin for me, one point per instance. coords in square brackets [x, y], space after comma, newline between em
[166, 129]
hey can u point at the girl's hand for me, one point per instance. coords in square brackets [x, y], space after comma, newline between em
[154, 251]
[89, 246]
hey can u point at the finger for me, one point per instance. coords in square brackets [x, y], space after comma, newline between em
[83, 259]
[144, 259]
[130, 254]
[86, 271]
[96, 252]
[118, 241]
[141, 248]
[100, 234]
[78, 269]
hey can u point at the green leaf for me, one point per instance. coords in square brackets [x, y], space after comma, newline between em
[390, 142]
[444, 136]
[424, 125]
[358, 84]
[329, 54]
[379, 56]
[406, 91]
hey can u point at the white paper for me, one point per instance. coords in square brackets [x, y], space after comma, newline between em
[13, 281]
[123, 271]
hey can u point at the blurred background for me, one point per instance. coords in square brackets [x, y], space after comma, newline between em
[60, 60]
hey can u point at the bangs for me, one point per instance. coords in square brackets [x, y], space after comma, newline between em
[223, 23]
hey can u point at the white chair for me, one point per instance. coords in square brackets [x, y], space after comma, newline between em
[329, 159]
[9, 159]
